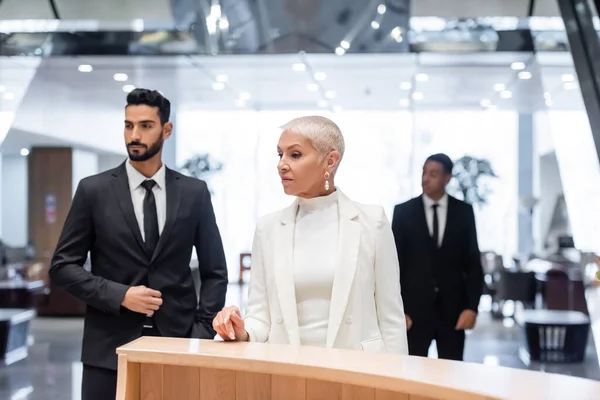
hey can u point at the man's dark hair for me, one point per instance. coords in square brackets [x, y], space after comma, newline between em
[442, 159]
[151, 98]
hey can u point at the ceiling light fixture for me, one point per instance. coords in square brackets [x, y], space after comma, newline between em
[340, 51]
[406, 86]
[381, 9]
[375, 25]
[299, 67]
[221, 78]
[506, 94]
[128, 88]
[24, 152]
[524, 75]
[421, 77]
[498, 87]
[85, 68]
[320, 76]
[397, 34]
[312, 87]
[517, 66]
[330, 94]
[120, 77]
[568, 78]
[418, 96]
[218, 86]
[345, 44]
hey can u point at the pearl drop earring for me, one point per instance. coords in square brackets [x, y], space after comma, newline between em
[326, 180]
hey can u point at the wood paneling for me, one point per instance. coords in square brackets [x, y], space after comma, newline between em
[50, 174]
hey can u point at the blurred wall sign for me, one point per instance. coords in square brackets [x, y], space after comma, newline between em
[50, 208]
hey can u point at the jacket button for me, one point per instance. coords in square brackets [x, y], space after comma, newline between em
[279, 320]
[349, 320]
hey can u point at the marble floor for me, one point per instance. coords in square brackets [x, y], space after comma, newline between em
[53, 371]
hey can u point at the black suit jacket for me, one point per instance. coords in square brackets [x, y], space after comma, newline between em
[102, 222]
[440, 281]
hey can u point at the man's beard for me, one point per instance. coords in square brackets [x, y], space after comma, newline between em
[150, 152]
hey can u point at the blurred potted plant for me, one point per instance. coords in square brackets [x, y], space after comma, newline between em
[468, 180]
[201, 166]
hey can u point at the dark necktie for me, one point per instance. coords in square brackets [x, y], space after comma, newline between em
[436, 228]
[150, 217]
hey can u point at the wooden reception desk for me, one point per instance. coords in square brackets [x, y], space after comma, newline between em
[192, 369]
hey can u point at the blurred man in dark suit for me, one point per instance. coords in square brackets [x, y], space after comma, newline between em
[139, 223]
[440, 266]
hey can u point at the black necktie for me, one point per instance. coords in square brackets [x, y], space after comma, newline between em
[150, 217]
[436, 228]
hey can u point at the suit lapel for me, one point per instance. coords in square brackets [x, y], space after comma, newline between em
[284, 273]
[345, 266]
[449, 221]
[422, 219]
[173, 201]
[120, 185]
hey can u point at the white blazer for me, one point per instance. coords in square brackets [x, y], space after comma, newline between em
[366, 311]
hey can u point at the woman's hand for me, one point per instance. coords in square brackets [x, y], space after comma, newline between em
[229, 324]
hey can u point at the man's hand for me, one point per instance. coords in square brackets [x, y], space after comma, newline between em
[408, 322]
[142, 299]
[466, 320]
[229, 324]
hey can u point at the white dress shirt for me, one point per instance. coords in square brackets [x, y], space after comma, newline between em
[442, 213]
[138, 192]
[315, 248]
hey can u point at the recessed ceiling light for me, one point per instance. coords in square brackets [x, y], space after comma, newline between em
[498, 87]
[421, 77]
[24, 152]
[396, 34]
[345, 44]
[375, 25]
[312, 87]
[524, 75]
[506, 94]
[568, 78]
[320, 76]
[221, 78]
[404, 103]
[381, 9]
[128, 88]
[340, 51]
[406, 86]
[330, 94]
[570, 85]
[120, 77]
[322, 103]
[9, 96]
[517, 66]
[218, 86]
[298, 67]
[485, 103]
[418, 96]
[244, 96]
[85, 68]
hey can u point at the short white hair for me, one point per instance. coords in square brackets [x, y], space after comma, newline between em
[324, 134]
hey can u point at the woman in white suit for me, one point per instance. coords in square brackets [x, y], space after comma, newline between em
[324, 270]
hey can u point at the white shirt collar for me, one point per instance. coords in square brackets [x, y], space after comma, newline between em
[136, 178]
[428, 201]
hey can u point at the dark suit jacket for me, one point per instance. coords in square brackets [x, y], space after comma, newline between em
[443, 281]
[102, 222]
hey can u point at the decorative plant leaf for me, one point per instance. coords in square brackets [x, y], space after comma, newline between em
[469, 180]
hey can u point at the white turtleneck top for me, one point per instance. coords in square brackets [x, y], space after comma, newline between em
[315, 248]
